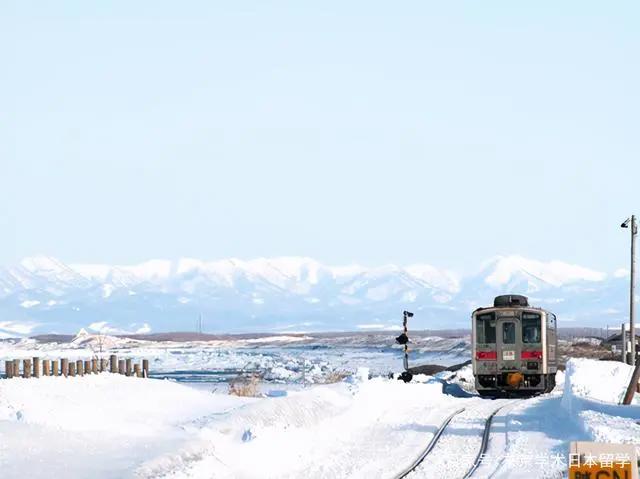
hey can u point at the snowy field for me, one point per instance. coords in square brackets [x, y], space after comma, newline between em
[111, 426]
[299, 359]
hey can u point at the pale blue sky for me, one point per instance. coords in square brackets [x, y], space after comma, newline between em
[440, 132]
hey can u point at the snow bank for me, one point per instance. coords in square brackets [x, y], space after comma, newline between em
[106, 402]
[463, 377]
[604, 381]
[117, 423]
[363, 429]
[591, 396]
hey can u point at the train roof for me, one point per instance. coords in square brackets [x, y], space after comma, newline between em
[502, 308]
[511, 301]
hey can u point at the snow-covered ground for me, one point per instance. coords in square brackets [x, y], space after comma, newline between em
[290, 359]
[110, 426]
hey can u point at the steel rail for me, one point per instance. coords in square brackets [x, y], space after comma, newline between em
[485, 441]
[429, 447]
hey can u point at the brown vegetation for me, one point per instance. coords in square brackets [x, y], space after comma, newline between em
[334, 377]
[245, 386]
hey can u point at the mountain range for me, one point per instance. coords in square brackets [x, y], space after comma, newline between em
[289, 294]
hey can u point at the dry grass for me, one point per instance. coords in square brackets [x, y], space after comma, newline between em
[334, 377]
[582, 349]
[245, 386]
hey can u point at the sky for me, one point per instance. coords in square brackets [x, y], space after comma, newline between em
[369, 132]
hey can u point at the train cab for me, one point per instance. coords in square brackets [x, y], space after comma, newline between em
[514, 348]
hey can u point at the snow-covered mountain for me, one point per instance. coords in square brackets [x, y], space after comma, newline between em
[43, 294]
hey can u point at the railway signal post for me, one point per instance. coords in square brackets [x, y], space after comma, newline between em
[403, 339]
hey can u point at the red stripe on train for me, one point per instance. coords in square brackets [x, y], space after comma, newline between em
[531, 355]
[487, 355]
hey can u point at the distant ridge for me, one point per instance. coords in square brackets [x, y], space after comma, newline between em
[287, 294]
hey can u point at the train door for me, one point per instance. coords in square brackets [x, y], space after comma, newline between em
[508, 344]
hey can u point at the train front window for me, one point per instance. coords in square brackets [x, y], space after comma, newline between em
[531, 328]
[508, 333]
[486, 329]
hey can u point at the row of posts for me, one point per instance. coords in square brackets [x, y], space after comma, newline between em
[36, 367]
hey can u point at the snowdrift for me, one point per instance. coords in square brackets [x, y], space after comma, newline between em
[591, 396]
[588, 381]
[106, 402]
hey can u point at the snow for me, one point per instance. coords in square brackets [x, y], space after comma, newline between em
[379, 326]
[442, 279]
[69, 403]
[361, 428]
[81, 336]
[304, 357]
[555, 273]
[113, 421]
[600, 380]
[107, 290]
[250, 294]
[269, 339]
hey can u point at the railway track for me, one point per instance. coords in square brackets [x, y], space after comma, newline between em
[422, 460]
[430, 446]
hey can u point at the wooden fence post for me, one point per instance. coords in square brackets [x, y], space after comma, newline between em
[26, 367]
[145, 368]
[121, 367]
[65, 367]
[79, 367]
[94, 366]
[114, 363]
[36, 367]
[8, 369]
[46, 370]
[54, 367]
[128, 362]
[103, 365]
[16, 368]
[136, 370]
[87, 366]
[72, 368]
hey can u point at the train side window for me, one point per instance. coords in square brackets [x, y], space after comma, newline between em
[508, 333]
[531, 328]
[486, 329]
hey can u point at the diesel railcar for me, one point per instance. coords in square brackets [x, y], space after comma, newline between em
[514, 348]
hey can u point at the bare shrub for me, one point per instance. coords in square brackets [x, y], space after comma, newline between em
[334, 377]
[245, 386]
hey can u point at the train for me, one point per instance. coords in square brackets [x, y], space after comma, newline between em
[514, 348]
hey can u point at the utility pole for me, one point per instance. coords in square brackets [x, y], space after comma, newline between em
[631, 222]
[632, 291]
[623, 335]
